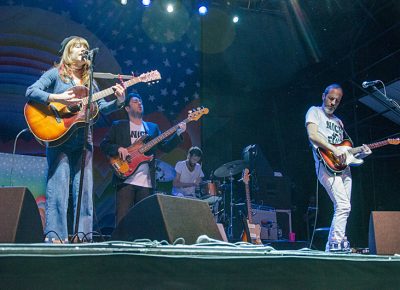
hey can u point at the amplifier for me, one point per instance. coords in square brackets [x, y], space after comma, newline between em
[276, 224]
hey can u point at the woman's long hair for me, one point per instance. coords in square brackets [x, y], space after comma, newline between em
[65, 67]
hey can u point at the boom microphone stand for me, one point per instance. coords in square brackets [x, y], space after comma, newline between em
[90, 56]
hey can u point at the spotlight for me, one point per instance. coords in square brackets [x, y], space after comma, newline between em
[124, 2]
[235, 19]
[170, 8]
[146, 2]
[203, 10]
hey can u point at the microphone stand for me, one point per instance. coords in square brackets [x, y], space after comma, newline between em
[13, 153]
[90, 57]
[387, 102]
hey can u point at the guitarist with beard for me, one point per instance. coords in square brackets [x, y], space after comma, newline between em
[324, 131]
[122, 134]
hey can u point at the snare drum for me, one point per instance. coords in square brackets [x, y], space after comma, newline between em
[209, 188]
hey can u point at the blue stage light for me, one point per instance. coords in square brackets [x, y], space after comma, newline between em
[203, 10]
[146, 2]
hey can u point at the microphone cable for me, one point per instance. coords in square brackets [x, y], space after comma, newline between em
[13, 153]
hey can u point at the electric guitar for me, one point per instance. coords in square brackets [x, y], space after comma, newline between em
[125, 168]
[332, 163]
[52, 124]
[252, 232]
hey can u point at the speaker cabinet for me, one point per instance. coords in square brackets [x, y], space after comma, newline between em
[20, 218]
[384, 232]
[162, 217]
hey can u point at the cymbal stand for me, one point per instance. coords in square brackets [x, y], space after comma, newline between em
[230, 226]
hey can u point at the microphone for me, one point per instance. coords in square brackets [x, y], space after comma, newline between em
[89, 54]
[368, 84]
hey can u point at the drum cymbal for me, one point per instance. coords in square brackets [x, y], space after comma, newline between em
[164, 171]
[230, 168]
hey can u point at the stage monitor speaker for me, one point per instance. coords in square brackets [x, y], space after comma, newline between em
[384, 233]
[20, 218]
[163, 217]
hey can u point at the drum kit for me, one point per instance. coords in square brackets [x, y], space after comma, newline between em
[211, 191]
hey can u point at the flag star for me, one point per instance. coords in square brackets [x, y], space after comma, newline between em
[186, 99]
[151, 98]
[89, 17]
[183, 54]
[164, 92]
[182, 84]
[163, 49]
[137, 26]
[174, 92]
[166, 62]
[128, 62]
[176, 103]
[198, 84]
[171, 113]
[174, 50]
[196, 95]
[178, 65]
[115, 32]
[129, 35]
[189, 71]
[140, 40]
[188, 45]
[113, 52]
[121, 47]
[160, 108]
[101, 24]
[170, 35]
[110, 14]
[152, 47]
[134, 49]
[145, 61]
[168, 80]
[122, 24]
[196, 64]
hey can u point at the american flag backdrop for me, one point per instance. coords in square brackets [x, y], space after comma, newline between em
[132, 39]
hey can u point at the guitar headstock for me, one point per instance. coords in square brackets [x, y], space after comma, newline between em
[395, 141]
[196, 113]
[150, 77]
[246, 176]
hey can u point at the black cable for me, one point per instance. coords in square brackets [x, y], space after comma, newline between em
[316, 207]
[59, 238]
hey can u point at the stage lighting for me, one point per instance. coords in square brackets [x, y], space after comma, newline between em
[235, 19]
[124, 2]
[170, 8]
[203, 10]
[146, 2]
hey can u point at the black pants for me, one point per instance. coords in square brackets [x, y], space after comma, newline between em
[127, 196]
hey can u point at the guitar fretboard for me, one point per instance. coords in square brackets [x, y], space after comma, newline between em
[107, 92]
[371, 146]
[146, 147]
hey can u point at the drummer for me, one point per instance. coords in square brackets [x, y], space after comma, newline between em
[188, 174]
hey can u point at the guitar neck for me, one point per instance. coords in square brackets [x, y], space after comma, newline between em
[371, 146]
[249, 214]
[146, 147]
[107, 92]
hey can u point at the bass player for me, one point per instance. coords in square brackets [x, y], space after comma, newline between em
[121, 135]
[325, 130]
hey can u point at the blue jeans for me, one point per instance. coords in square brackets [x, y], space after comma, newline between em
[64, 162]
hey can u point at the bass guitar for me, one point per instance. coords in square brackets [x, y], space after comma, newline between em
[125, 168]
[52, 124]
[252, 232]
[332, 163]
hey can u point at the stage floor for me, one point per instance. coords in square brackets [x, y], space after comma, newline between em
[153, 265]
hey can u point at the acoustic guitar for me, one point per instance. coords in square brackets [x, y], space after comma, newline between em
[332, 163]
[52, 124]
[252, 232]
[125, 168]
